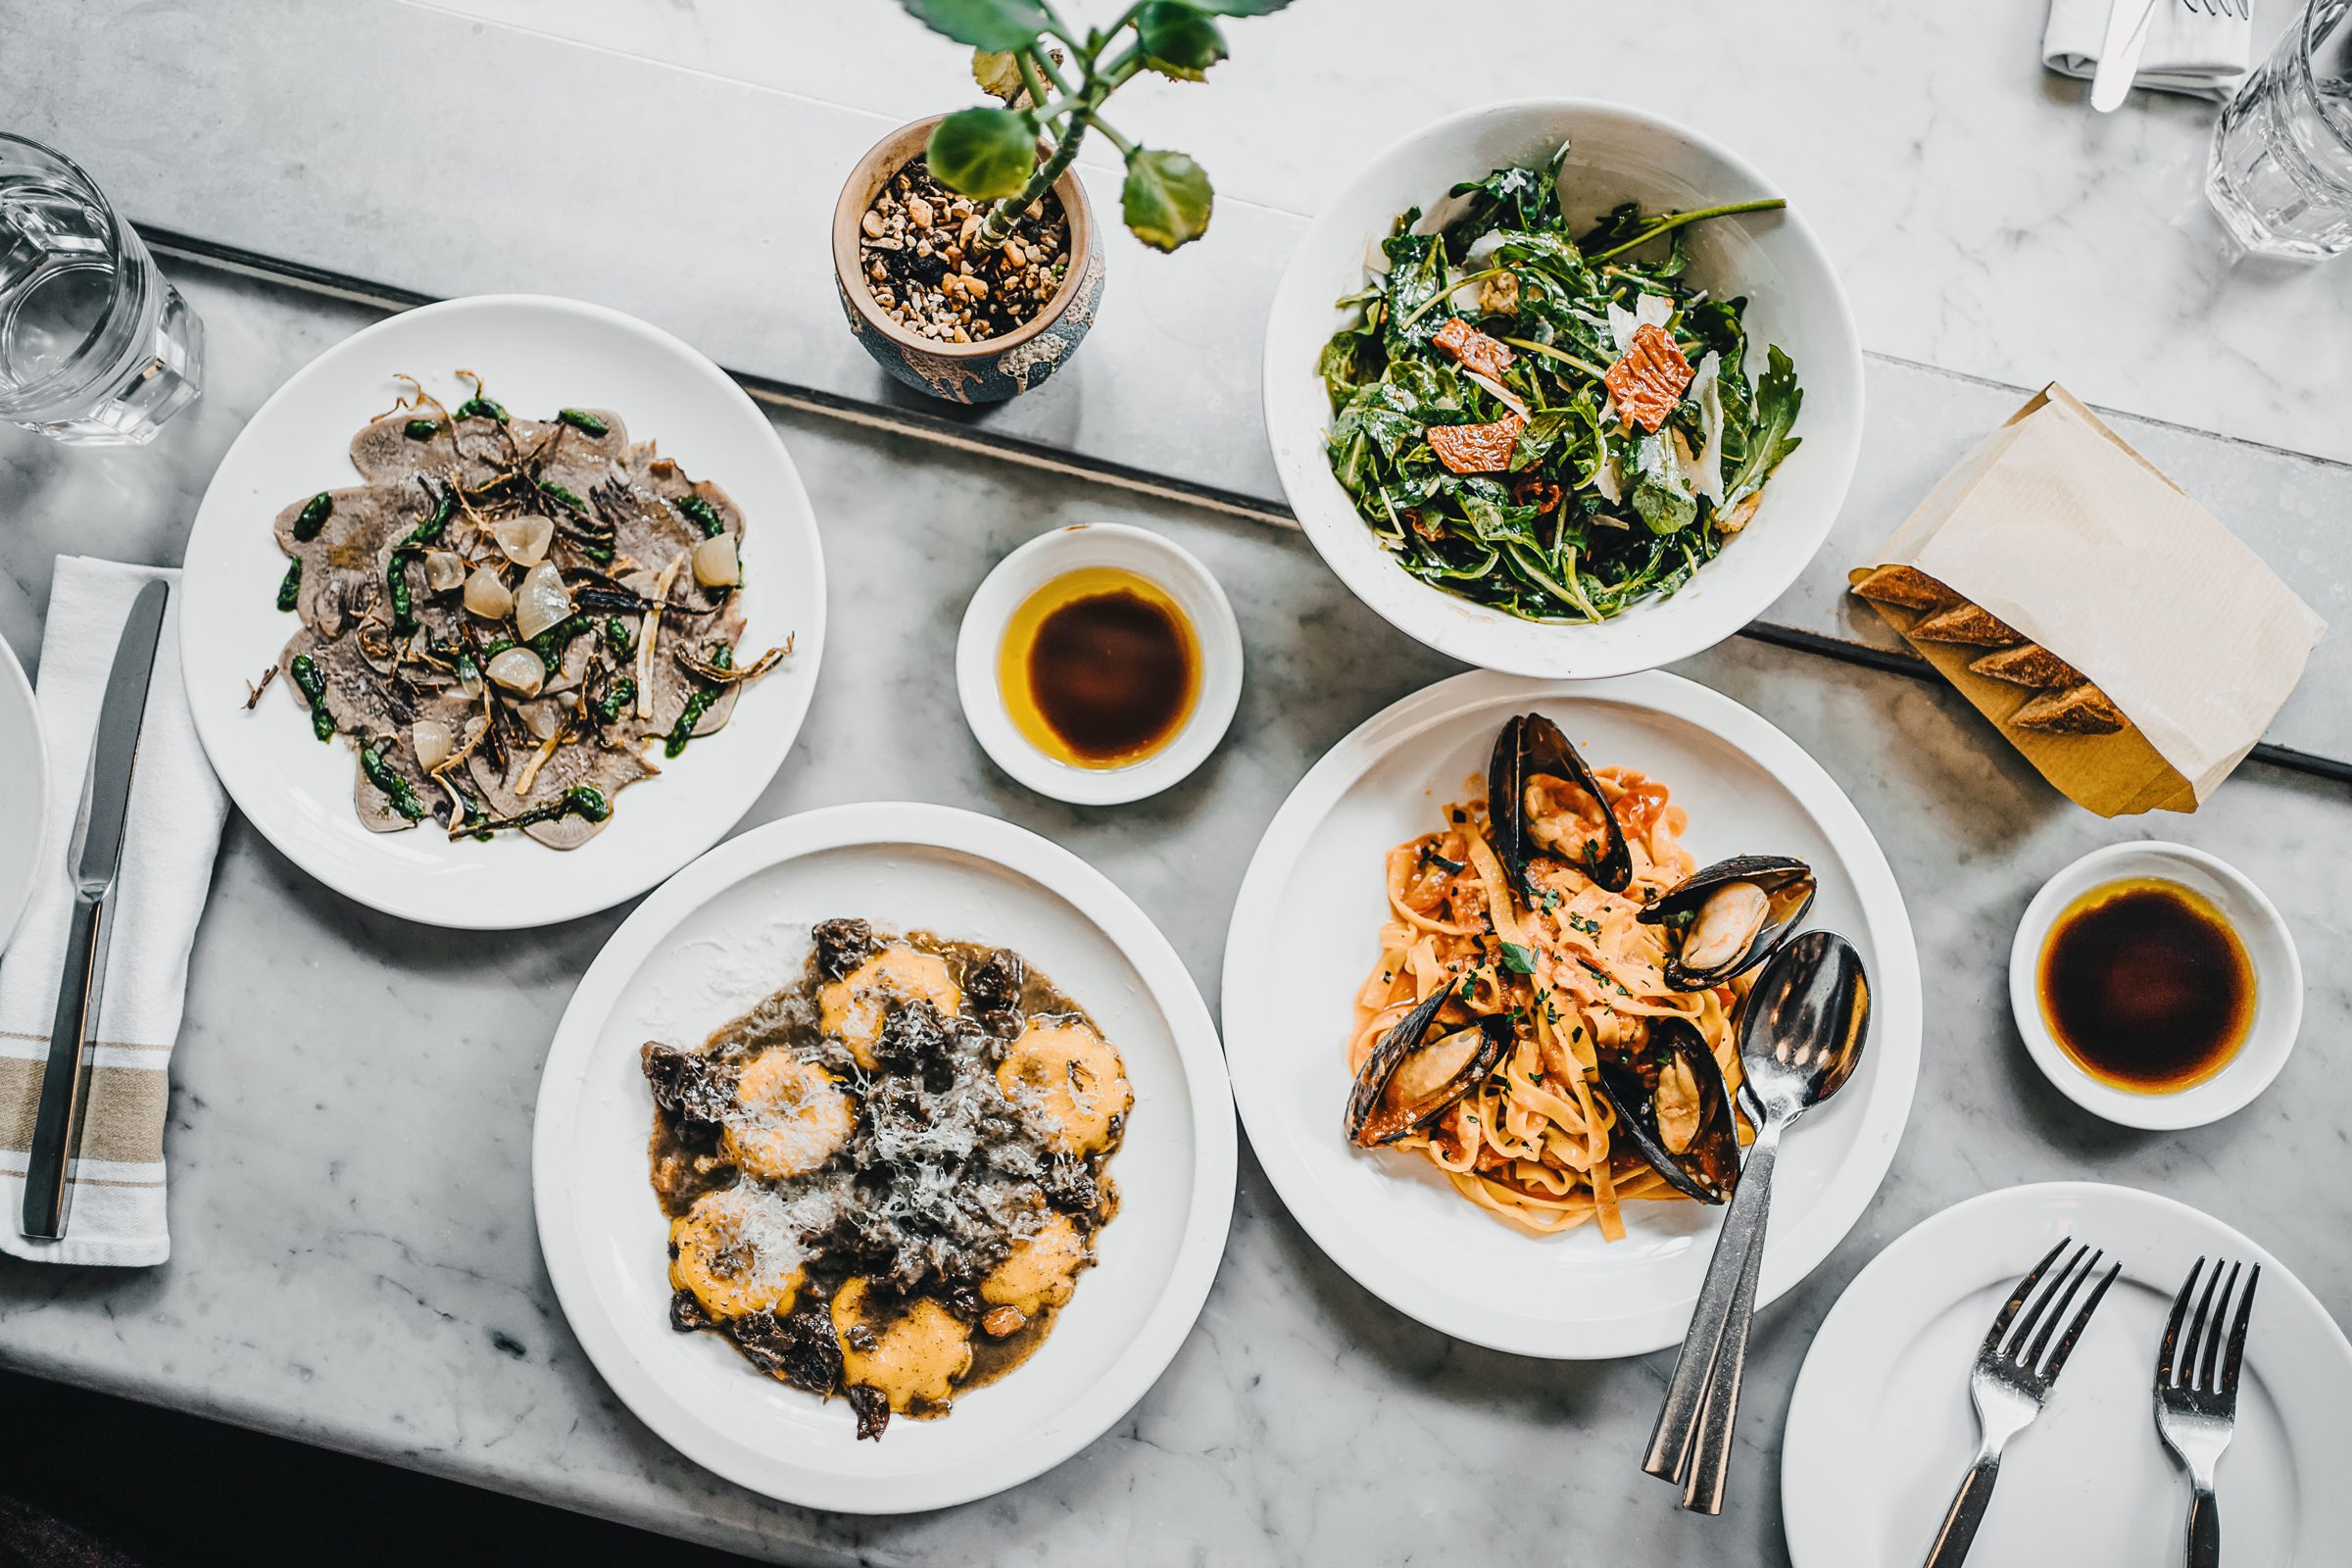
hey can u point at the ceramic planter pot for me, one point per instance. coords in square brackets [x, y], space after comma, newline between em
[987, 371]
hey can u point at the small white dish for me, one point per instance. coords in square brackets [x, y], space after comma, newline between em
[731, 928]
[1880, 1429]
[23, 792]
[2277, 986]
[1616, 154]
[1176, 572]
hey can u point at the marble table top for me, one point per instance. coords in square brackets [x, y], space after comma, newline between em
[353, 1259]
[1993, 234]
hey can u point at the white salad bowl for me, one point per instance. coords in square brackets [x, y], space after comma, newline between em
[1616, 154]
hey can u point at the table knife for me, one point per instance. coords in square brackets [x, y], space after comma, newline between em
[2119, 54]
[93, 859]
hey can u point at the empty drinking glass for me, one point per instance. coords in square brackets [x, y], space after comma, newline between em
[95, 347]
[2280, 174]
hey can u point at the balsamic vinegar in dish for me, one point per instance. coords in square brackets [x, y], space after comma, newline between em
[1099, 667]
[2146, 985]
[884, 1180]
[511, 619]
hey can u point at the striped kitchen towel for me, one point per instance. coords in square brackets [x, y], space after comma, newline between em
[115, 1211]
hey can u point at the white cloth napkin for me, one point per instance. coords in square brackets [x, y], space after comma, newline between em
[115, 1213]
[2188, 51]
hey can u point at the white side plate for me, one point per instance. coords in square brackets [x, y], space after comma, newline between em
[23, 792]
[1880, 1427]
[1305, 931]
[536, 355]
[734, 927]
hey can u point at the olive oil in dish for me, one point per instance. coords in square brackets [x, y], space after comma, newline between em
[1099, 667]
[2146, 985]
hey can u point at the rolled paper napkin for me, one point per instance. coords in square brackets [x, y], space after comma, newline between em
[2190, 50]
[116, 1196]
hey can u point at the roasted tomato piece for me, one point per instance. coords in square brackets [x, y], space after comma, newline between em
[1472, 348]
[1649, 380]
[1530, 490]
[1476, 448]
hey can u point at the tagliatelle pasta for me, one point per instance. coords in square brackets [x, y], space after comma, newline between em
[1571, 971]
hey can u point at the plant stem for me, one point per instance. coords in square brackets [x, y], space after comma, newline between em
[1126, 148]
[1001, 216]
[1551, 353]
[1677, 219]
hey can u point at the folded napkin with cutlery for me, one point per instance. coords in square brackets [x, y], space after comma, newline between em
[171, 839]
[2191, 49]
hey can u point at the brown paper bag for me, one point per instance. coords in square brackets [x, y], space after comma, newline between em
[2056, 527]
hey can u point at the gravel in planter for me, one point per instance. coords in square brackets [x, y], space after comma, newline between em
[912, 244]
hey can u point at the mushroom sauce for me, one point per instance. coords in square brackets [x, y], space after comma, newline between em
[884, 1179]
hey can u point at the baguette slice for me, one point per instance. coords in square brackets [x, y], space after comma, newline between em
[1968, 623]
[1905, 586]
[2082, 709]
[2029, 665]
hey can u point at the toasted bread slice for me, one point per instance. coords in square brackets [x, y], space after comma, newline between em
[1906, 587]
[2082, 709]
[1968, 623]
[2027, 664]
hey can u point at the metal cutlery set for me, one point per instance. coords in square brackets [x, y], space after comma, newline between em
[2196, 1385]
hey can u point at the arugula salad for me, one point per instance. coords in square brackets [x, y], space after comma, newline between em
[1554, 424]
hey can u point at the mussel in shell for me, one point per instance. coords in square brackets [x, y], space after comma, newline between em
[1673, 1107]
[1410, 1080]
[1730, 917]
[1543, 799]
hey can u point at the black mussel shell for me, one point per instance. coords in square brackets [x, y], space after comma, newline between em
[1371, 1120]
[1787, 886]
[1709, 1168]
[1530, 746]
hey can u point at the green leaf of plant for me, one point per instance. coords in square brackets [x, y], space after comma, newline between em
[1241, 8]
[1178, 40]
[1166, 200]
[982, 24]
[1517, 959]
[984, 153]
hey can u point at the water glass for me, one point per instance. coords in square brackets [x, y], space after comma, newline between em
[95, 347]
[2281, 174]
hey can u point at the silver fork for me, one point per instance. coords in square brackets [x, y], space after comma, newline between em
[2016, 1367]
[2196, 1394]
[2242, 10]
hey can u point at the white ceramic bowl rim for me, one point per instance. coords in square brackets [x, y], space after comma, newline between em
[2270, 947]
[1179, 573]
[1796, 300]
[29, 759]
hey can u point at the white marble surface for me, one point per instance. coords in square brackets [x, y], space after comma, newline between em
[712, 133]
[1984, 219]
[355, 1262]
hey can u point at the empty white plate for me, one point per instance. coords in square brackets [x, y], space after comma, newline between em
[24, 791]
[1881, 1430]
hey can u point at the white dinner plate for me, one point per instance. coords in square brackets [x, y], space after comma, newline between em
[536, 355]
[1306, 930]
[24, 791]
[734, 927]
[1881, 1430]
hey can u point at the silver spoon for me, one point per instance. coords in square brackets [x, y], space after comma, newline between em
[1800, 1035]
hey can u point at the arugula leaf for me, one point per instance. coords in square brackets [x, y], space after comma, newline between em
[1778, 399]
[1660, 495]
[1416, 275]
[1512, 198]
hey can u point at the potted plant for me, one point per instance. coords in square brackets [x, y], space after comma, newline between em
[968, 256]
